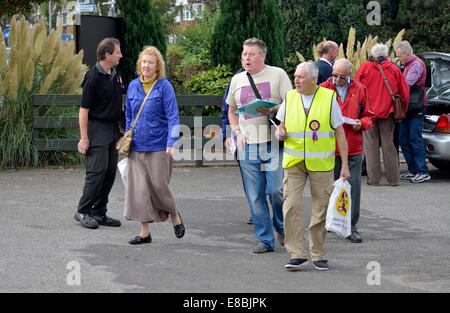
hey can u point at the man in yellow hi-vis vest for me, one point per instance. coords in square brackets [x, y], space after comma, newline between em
[311, 123]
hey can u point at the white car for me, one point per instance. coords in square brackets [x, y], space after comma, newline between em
[436, 126]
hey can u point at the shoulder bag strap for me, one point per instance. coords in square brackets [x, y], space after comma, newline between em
[252, 83]
[142, 105]
[271, 116]
[385, 80]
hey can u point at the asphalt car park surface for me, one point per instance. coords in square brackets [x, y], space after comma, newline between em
[43, 249]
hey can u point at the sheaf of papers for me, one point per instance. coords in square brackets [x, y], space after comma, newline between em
[251, 108]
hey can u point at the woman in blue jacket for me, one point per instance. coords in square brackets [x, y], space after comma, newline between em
[148, 197]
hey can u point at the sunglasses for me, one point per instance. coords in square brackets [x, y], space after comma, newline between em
[339, 76]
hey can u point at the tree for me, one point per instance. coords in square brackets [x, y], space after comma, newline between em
[240, 20]
[167, 10]
[428, 24]
[310, 21]
[142, 28]
[11, 7]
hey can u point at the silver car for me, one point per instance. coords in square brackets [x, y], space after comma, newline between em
[436, 126]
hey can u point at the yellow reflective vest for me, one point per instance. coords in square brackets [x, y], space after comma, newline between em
[310, 137]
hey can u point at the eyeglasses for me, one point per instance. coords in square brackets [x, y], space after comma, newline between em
[339, 76]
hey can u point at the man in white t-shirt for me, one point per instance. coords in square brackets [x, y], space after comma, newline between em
[259, 154]
[311, 125]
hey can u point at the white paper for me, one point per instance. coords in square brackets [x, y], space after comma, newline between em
[233, 146]
[349, 120]
[276, 127]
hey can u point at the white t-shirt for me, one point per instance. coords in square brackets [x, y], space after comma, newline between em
[273, 83]
[336, 113]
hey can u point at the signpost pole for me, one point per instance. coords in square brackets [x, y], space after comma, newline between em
[49, 16]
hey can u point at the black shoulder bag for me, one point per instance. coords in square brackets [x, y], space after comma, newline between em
[416, 101]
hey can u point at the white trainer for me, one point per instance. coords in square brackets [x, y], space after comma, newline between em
[420, 178]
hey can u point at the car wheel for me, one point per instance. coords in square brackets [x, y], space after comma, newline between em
[440, 164]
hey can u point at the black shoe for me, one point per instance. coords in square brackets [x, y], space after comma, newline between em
[296, 264]
[179, 229]
[321, 265]
[250, 221]
[139, 240]
[107, 221]
[355, 237]
[86, 220]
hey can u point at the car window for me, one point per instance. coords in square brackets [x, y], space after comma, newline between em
[440, 80]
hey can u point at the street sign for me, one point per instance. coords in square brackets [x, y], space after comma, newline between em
[6, 33]
[87, 8]
[67, 37]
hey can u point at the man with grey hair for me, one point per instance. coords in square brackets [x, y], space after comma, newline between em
[328, 53]
[380, 99]
[410, 133]
[259, 155]
[355, 105]
[311, 123]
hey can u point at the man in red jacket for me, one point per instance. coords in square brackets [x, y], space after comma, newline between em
[381, 103]
[355, 106]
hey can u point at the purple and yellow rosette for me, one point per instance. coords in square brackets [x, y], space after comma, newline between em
[314, 125]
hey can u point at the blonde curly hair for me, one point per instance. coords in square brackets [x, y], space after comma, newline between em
[152, 51]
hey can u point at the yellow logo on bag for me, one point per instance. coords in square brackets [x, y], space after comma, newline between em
[342, 203]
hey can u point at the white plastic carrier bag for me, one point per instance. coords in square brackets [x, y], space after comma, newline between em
[122, 165]
[339, 217]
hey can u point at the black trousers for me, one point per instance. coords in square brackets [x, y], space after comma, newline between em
[101, 167]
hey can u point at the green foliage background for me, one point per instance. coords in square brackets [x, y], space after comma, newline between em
[142, 28]
[307, 22]
[240, 20]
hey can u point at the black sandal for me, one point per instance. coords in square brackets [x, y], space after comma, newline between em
[139, 240]
[179, 229]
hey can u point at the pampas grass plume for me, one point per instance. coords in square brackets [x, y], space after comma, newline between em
[2, 54]
[11, 82]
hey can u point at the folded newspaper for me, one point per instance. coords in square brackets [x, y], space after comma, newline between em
[251, 108]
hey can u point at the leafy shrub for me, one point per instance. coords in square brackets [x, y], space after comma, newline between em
[212, 82]
[174, 56]
[188, 68]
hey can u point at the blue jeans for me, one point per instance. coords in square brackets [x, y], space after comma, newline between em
[262, 175]
[413, 148]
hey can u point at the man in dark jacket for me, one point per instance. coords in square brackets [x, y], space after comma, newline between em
[99, 116]
[327, 55]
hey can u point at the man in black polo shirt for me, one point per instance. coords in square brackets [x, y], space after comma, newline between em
[99, 116]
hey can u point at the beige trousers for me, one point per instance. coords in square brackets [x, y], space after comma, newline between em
[321, 186]
[381, 134]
